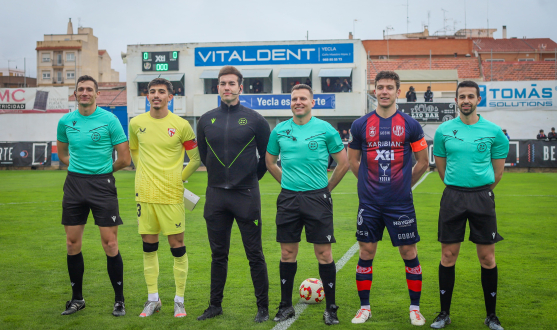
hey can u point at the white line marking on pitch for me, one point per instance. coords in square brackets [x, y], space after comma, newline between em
[301, 306]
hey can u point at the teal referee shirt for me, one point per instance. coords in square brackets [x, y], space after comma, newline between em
[91, 140]
[304, 152]
[469, 150]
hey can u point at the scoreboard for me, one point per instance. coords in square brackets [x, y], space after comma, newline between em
[160, 61]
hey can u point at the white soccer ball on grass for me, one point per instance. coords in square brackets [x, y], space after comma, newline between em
[311, 291]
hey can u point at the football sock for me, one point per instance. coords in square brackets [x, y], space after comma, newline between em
[446, 285]
[151, 267]
[115, 268]
[328, 273]
[364, 279]
[414, 281]
[75, 269]
[489, 285]
[287, 273]
[180, 269]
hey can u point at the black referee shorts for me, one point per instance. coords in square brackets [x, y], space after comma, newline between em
[84, 192]
[311, 209]
[477, 205]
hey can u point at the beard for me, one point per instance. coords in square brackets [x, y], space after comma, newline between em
[468, 112]
[157, 107]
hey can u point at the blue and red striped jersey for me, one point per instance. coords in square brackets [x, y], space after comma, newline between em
[385, 173]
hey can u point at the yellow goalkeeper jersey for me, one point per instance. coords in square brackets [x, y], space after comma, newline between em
[160, 144]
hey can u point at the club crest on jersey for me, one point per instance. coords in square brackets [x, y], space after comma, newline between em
[398, 130]
[372, 131]
[171, 132]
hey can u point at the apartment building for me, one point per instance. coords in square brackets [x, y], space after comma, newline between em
[62, 58]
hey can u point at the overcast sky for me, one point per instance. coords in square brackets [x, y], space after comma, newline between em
[121, 23]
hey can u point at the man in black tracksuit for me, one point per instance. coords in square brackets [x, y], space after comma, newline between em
[228, 139]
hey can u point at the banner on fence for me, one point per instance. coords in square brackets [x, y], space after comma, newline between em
[25, 153]
[518, 95]
[429, 112]
[522, 153]
[34, 100]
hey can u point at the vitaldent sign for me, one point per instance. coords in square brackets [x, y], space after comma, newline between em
[274, 54]
[518, 95]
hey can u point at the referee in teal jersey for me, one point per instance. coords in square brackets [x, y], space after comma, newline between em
[304, 144]
[470, 154]
[86, 138]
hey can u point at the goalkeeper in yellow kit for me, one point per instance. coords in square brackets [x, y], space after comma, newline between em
[158, 139]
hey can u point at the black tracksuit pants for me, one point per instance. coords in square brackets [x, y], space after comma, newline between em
[221, 208]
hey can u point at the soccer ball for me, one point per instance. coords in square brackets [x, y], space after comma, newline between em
[311, 291]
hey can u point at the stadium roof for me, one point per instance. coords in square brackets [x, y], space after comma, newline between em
[466, 67]
[515, 71]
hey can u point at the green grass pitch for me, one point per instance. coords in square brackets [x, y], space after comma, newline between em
[34, 283]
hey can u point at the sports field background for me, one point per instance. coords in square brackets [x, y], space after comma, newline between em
[34, 283]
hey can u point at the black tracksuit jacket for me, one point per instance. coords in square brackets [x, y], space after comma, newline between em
[228, 138]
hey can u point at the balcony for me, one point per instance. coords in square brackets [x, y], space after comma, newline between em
[56, 64]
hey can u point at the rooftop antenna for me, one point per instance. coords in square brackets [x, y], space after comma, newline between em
[454, 25]
[407, 17]
[487, 17]
[428, 16]
[388, 28]
[444, 20]
[465, 30]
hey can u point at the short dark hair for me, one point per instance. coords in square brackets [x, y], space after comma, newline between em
[88, 78]
[541, 130]
[468, 83]
[303, 86]
[161, 81]
[229, 69]
[388, 75]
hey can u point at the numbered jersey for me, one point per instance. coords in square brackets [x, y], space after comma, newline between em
[385, 174]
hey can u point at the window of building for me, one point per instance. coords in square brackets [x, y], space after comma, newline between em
[257, 81]
[495, 60]
[70, 57]
[142, 89]
[210, 81]
[143, 80]
[336, 80]
[177, 80]
[59, 76]
[550, 59]
[293, 77]
[210, 86]
[526, 60]
[59, 59]
[46, 75]
[46, 57]
[70, 74]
